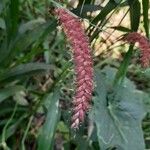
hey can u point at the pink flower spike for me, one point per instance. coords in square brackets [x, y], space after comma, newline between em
[83, 64]
[144, 46]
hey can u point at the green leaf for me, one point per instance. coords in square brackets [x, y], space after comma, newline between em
[105, 11]
[30, 25]
[111, 5]
[81, 2]
[121, 28]
[118, 1]
[123, 67]
[24, 40]
[12, 128]
[83, 144]
[145, 4]
[23, 70]
[86, 8]
[61, 127]
[2, 24]
[1, 7]
[135, 13]
[146, 73]
[9, 109]
[10, 91]
[117, 113]
[46, 135]
[12, 19]
[135, 20]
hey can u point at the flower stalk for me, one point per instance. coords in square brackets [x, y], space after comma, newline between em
[83, 64]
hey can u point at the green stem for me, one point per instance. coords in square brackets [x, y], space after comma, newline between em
[3, 143]
[120, 75]
[26, 132]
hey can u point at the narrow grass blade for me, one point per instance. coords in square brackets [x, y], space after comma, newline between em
[135, 13]
[25, 134]
[102, 16]
[123, 67]
[12, 19]
[23, 70]
[145, 4]
[121, 28]
[23, 40]
[46, 135]
[135, 20]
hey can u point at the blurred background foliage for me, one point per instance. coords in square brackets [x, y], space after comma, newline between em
[36, 77]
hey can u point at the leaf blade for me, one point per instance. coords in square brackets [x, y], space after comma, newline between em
[9, 91]
[47, 133]
[118, 113]
[23, 70]
[145, 4]
[135, 13]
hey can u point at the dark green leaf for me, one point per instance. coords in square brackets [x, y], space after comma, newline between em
[105, 11]
[22, 70]
[123, 67]
[110, 6]
[135, 12]
[135, 20]
[24, 40]
[86, 8]
[12, 19]
[145, 16]
[83, 2]
[46, 135]
[12, 128]
[30, 25]
[121, 28]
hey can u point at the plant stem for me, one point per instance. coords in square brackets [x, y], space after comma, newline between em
[26, 132]
[3, 143]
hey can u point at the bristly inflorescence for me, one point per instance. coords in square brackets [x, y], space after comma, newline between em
[83, 64]
[144, 46]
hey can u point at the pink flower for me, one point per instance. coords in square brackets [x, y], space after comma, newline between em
[83, 64]
[144, 46]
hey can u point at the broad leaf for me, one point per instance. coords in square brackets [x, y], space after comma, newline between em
[117, 113]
